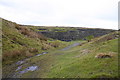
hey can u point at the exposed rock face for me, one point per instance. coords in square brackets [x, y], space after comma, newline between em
[76, 34]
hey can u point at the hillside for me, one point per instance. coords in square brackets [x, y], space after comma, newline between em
[27, 53]
[20, 42]
[81, 61]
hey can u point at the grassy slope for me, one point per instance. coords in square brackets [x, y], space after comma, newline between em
[74, 63]
[79, 62]
[20, 42]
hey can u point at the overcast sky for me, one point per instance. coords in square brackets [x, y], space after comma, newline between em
[74, 13]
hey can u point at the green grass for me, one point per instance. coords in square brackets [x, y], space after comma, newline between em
[17, 45]
[76, 62]
[84, 66]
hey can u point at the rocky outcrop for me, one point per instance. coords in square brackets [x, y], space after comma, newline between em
[75, 34]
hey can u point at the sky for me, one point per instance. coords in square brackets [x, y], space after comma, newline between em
[74, 13]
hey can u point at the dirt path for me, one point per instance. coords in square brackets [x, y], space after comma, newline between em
[70, 46]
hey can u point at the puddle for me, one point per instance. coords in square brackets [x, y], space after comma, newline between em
[19, 68]
[41, 53]
[31, 68]
[44, 52]
[20, 62]
[38, 54]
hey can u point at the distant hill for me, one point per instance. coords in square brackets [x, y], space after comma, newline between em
[69, 33]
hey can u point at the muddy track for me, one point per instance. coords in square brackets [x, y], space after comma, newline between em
[17, 72]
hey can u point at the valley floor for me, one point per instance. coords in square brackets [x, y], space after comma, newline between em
[75, 61]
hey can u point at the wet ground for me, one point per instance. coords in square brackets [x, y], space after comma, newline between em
[31, 68]
[19, 71]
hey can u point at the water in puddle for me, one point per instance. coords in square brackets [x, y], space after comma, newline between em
[20, 62]
[38, 54]
[31, 68]
[42, 53]
[19, 68]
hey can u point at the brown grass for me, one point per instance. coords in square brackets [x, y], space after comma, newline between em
[12, 54]
[45, 47]
[17, 27]
[28, 54]
[33, 50]
[17, 54]
[104, 55]
[28, 32]
[55, 44]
